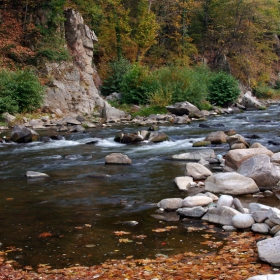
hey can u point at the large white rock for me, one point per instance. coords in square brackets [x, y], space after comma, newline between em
[261, 170]
[117, 158]
[183, 183]
[273, 215]
[269, 250]
[234, 158]
[225, 200]
[170, 203]
[220, 215]
[260, 228]
[243, 220]
[253, 207]
[230, 183]
[196, 155]
[192, 201]
[197, 171]
[260, 216]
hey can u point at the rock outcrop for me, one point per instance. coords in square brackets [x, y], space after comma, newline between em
[72, 85]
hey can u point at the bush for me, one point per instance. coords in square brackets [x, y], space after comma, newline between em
[20, 91]
[117, 70]
[176, 84]
[264, 91]
[137, 84]
[223, 89]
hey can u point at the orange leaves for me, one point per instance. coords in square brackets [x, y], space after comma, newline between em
[167, 228]
[45, 235]
[120, 233]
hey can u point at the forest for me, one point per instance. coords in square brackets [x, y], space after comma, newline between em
[158, 52]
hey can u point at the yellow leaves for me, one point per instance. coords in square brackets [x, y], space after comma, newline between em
[119, 233]
[125, 240]
[167, 228]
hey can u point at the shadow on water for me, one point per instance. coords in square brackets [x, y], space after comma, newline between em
[74, 216]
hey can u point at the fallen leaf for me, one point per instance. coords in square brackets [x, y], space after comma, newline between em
[45, 235]
[119, 233]
[125, 240]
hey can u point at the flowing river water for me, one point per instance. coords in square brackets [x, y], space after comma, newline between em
[70, 218]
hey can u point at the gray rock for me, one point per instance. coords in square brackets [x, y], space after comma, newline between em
[265, 277]
[117, 158]
[71, 121]
[211, 195]
[275, 229]
[77, 128]
[183, 183]
[21, 134]
[242, 221]
[157, 136]
[221, 215]
[184, 108]
[238, 205]
[35, 174]
[195, 212]
[260, 228]
[8, 117]
[197, 171]
[225, 200]
[230, 183]
[236, 141]
[269, 250]
[196, 155]
[275, 158]
[251, 102]
[234, 158]
[193, 201]
[170, 203]
[109, 112]
[270, 223]
[259, 216]
[229, 228]
[274, 215]
[253, 207]
[261, 170]
[217, 137]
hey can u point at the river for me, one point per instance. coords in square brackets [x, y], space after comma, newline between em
[72, 217]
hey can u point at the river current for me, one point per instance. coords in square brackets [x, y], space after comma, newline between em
[74, 216]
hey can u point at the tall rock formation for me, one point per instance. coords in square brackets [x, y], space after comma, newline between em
[72, 88]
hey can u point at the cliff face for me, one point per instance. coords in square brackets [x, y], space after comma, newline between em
[72, 87]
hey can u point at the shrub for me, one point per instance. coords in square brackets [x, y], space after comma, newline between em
[263, 91]
[117, 70]
[20, 91]
[137, 84]
[223, 89]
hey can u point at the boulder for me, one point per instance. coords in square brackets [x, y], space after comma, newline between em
[261, 170]
[221, 215]
[8, 117]
[171, 203]
[21, 134]
[182, 119]
[183, 183]
[117, 158]
[235, 158]
[275, 159]
[184, 108]
[238, 205]
[196, 155]
[251, 102]
[260, 216]
[242, 221]
[237, 142]
[225, 200]
[109, 113]
[260, 228]
[157, 136]
[273, 215]
[275, 229]
[269, 250]
[217, 137]
[230, 183]
[35, 175]
[77, 128]
[193, 201]
[194, 212]
[253, 207]
[197, 171]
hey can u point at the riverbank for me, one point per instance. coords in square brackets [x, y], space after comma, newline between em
[238, 260]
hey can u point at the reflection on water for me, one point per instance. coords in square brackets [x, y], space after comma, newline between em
[72, 216]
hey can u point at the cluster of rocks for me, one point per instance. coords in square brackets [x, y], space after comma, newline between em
[244, 170]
